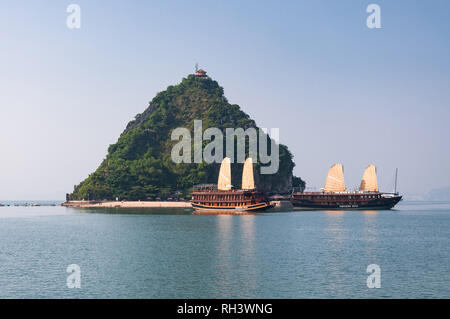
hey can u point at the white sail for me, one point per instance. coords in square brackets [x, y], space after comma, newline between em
[335, 179]
[224, 182]
[248, 181]
[369, 181]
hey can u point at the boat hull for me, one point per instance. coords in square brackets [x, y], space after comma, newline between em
[325, 201]
[199, 208]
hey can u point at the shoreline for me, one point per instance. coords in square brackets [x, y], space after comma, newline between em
[127, 204]
[278, 205]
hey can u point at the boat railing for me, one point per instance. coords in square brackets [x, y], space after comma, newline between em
[213, 188]
[203, 187]
[342, 193]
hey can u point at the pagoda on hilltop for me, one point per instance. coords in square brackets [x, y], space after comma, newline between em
[201, 73]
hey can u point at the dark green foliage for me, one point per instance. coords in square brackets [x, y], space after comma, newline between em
[297, 182]
[139, 165]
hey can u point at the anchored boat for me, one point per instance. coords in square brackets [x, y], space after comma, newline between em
[223, 198]
[335, 196]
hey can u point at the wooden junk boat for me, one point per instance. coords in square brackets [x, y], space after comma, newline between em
[223, 198]
[335, 195]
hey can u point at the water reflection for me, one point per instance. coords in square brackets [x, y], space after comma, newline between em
[370, 232]
[223, 258]
[334, 212]
[370, 225]
[248, 259]
[225, 234]
[335, 228]
[235, 256]
[247, 224]
[335, 237]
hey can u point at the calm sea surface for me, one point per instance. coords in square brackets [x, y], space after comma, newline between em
[129, 253]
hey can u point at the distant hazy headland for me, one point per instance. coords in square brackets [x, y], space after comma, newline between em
[439, 194]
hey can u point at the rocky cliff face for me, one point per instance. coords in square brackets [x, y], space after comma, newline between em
[139, 165]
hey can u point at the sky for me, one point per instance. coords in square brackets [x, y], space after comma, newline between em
[338, 91]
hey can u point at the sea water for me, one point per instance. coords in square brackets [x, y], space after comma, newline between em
[171, 253]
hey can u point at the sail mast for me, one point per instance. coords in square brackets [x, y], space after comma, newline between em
[395, 184]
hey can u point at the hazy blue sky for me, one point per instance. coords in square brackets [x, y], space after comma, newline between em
[338, 91]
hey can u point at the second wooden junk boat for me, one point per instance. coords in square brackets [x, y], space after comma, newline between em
[223, 198]
[335, 195]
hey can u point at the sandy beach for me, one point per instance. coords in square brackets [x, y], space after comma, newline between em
[126, 204]
[149, 204]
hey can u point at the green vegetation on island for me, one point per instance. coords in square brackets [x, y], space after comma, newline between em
[139, 165]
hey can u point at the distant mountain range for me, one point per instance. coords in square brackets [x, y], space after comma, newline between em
[439, 194]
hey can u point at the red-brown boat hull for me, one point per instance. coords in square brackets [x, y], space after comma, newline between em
[345, 201]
